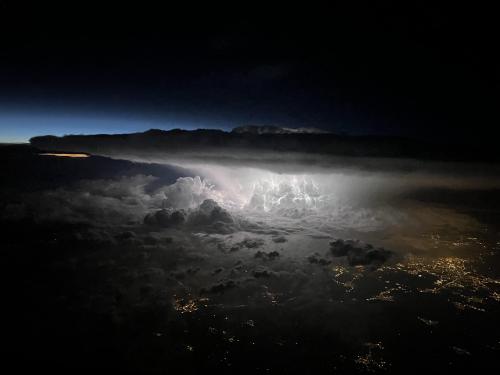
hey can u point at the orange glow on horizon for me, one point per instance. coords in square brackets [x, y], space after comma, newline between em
[66, 155]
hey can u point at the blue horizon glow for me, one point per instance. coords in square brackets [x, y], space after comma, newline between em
[20, 127]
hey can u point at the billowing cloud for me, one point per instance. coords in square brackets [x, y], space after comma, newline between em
[208, 216]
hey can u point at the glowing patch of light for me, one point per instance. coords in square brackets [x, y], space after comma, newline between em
[284, 192]
[65, 155]
[257, 190]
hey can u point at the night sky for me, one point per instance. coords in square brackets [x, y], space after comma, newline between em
[416, 70]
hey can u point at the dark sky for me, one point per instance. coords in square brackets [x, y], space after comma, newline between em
[415, 70]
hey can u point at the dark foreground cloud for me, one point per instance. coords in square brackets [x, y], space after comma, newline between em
[208, 216]
[358, 253]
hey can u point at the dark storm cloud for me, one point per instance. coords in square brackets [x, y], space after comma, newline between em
[102, 202]
[318, 259]
[220, 287]
[208, 216]
[165, 218]
[263, 272]
[286, 153]
[267, 256]
[154, 142]
[279, 239]
[359, 254]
